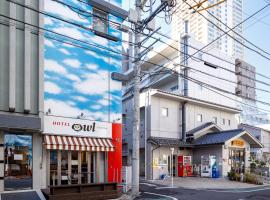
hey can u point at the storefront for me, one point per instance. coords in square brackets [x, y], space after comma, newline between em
[228, 150]
[170, 156]
[21, 161]
[82, 151]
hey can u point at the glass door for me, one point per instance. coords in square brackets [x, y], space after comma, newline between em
[53, 167]
[237, 157]
[84, 167]
[18, 162]
[74, 167]
[64, 168]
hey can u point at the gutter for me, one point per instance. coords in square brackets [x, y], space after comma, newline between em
[184, 122]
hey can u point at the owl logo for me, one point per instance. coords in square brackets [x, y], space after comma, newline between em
[77, 127]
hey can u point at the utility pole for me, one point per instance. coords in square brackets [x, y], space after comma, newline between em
[140, 25]
[136, 106]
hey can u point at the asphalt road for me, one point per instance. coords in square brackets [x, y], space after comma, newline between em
[150, 191]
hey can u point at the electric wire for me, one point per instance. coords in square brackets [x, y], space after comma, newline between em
[128, 41]
[146, 34]
[50, 31]
[241, 43]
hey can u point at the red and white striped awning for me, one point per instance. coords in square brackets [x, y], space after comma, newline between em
[78, 143]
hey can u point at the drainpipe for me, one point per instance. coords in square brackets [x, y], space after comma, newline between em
[185, 62]
[184, 121]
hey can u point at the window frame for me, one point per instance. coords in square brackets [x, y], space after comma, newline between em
[215, 120]
[223, 121]
[201, 118]
[99, 13]
[167, 111]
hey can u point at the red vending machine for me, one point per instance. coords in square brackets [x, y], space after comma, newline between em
[184, 166]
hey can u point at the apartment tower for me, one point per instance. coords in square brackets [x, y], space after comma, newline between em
[224, 16]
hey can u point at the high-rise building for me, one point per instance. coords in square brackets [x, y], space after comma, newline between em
[246, 90]
[227, 14]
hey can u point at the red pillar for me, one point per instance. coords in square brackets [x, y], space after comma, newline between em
[115, 157]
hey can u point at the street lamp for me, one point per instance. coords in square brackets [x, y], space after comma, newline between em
[172, 150]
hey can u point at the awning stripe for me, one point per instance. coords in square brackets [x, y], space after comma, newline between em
[77, 143]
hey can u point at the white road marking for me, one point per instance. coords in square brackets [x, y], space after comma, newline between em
[161, 195]
[166, 187]
[40, 195]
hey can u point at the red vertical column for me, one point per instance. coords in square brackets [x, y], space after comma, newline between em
[115, 157]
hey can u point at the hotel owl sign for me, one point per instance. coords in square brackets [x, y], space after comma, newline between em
[76, 127]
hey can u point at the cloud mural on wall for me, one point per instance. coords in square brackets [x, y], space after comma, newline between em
[77, 79]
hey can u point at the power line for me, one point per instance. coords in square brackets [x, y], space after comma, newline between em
[209, 85]
[72, 23]
[83, 42]
[262, 75]
[233, 32]
[81, 26]
[146, 34]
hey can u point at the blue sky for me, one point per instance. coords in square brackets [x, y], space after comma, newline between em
[257, 31]
[77, 80]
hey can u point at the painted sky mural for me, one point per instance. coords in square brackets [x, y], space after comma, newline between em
[78, 67]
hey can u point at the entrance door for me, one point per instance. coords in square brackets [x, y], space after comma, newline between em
[18, 162]
[237, 157]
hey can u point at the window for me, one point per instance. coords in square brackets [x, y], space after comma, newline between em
[223, 121]
[164, 112]
[199, 117]
[229, 122]
[214, 120]
[174, 88]
[100, 21]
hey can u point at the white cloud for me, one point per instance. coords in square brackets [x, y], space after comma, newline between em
[63, 108]
[80, 98]
[99, 40]
[104, 102]
[96, 107]
[53, 66]
[64, 51]
[72, 63]
[70, 32]
[48, 21]
[91, 66]
[52, 88]
[115, 62]
[68, 45]
[64, 12]
[116, 34]
[73, 77]
[48, 43]
[96, 83]
[98, 56]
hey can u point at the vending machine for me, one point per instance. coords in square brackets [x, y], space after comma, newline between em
[184, 166]
[207, 164]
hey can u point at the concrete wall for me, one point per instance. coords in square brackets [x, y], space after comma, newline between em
[165, 152]
[2, 161]
[161, 126]
[207, 116]
[19, 59]
[39, 162]
[212, 150]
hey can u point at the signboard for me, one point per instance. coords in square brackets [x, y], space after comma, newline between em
[238, 143]
[76, 127]
[18, 156]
